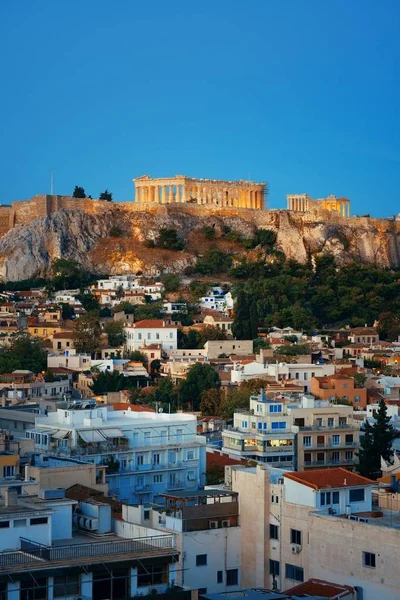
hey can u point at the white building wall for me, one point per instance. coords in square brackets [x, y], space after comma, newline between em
[296, 493]
[10, 537]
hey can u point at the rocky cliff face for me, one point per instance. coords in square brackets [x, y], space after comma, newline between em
[28, 250]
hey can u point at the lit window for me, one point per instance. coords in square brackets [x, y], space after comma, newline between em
[369, 560]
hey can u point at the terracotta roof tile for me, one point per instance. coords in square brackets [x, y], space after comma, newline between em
[152, 324]
[321, 479]
[318, 587]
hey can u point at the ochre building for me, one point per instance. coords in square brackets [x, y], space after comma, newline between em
[182, 190]
[303, 203]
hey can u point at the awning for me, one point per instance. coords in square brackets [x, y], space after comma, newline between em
[91, 436]
[112, 433]
[60, 435]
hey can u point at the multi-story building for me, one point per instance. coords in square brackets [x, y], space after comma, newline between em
[147, 453]
[217, 299]
[151, 331]
[264, 433]
[49, 550]
[327, 435]
[319, 524]
[206, 528]
[339, 386]
[364, 335]
[301, 373]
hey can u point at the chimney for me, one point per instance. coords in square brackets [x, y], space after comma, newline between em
[10, 497]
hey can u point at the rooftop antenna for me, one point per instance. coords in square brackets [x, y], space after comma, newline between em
[51, 182]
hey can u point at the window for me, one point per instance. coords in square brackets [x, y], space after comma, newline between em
[330, 422]
[307, 457]
[39, 521]
[335, 497]
[294, 572]
[232, 577]
[273, 532]
[190, 455]
[349, 454]
[156, 459]
[19, 522]
[335, 457]
[325, 498]
[66, 585]
[244, 424]
[305, 376]
[280, 425]
[307, 441]
[8, 471]
[349, 439]
[139, 459]
[146, 515]
[274, 567]
[275, 408]
[357, 495]
[4, 524]
[369, 560]
[220, 576]
[171, 335]
[335, 440]
[201, 560]
[295, 536]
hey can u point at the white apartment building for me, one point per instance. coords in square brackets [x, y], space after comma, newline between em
[207, 533]
[301, 373]
[70, 360]
[130, 282]
[151, 331]
[316, 524]
[264, 433]
[147, 454]
[216, 299]
[54, 547]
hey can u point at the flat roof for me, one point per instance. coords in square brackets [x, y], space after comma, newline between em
[199, 493]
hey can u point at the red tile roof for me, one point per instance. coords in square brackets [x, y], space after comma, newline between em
[222, 460]
[318, 587]
[152, 324]
[321, 479]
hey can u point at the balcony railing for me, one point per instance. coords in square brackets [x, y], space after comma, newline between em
[330, 445]
[326, 427]
[330, 463]
[33, 553]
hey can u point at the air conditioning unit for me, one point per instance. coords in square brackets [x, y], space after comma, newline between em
[295, 548]
[226, 523]
[213, 524]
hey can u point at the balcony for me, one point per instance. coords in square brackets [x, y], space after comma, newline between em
[330, 446]
[331, 463]
[33, 555]
[326, 427]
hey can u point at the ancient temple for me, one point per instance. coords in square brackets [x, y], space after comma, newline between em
[187, 190]
[303, 203]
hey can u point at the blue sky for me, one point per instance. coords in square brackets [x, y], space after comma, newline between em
[303, 94]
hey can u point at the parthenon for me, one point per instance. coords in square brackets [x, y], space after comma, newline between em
[183, 190]
[303, 203]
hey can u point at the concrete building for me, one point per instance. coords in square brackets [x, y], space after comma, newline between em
[339, 386]
[49, 550]
[301, 373]
[318, 524]
[327, 435]
[151, 331]
[214, 348]
[147, 453]
[69, 360]
[207, 533]
[264, 433]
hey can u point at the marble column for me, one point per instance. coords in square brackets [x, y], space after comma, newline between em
[177, 194]
[170, 194]
[163, 194]
[156, 194]
[138, 194]
[183, 193]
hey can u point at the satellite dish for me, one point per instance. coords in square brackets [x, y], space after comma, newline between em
[160, 410]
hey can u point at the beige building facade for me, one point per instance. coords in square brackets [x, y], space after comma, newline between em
[181, 190]
[304, 203]
[304, 531]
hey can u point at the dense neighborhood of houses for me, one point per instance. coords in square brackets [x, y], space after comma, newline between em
[107, 495]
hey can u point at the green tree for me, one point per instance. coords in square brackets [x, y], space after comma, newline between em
[87, 334]
[264, 237]
[114, 382]
[89, 302]
[67, 311]
[199, 378]
[106, 195]
[214, 261]
[137, 356]
[389, 326]
[24, 352]
[377, 442]
[241, 326]
[119, 292]
[210, 403]
[79, 192]
[169, 239]
[172, 282]
[115, 332]
[115, 231]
